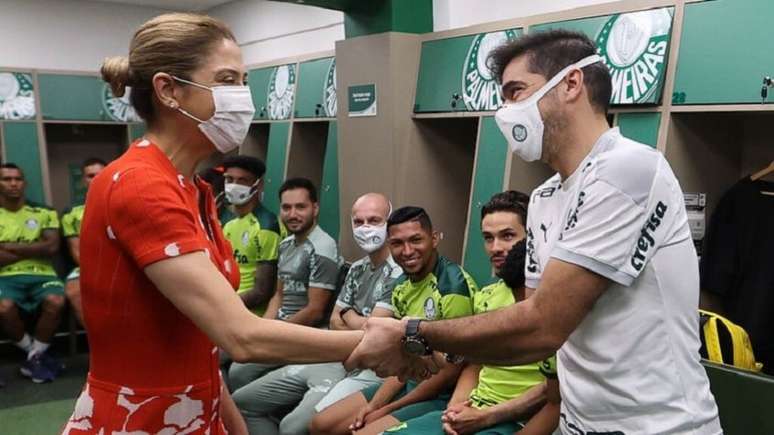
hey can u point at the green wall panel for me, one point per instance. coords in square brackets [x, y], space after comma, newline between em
[371, 17]
[725, 52]
[329, 187]
[492, 153]
[258, 81]
[453, 73]
[744, 400]
[21, 147]
[275, 164]
[634, 46]
[136, 131]
[316, 96]
[80, 98]
[642, 127]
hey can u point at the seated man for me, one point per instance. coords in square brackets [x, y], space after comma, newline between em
[367, 292]
[432, 287]
[488, 399]
[29, 237]
[71, 229]
[252, 230]
[308, 271]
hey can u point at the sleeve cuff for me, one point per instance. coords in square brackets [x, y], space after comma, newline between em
[342, 304]
[593, 265]
[171, 250]
[385, 306]
[531, 283]
[324, 286]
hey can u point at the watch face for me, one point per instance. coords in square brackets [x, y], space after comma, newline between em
[414, 347]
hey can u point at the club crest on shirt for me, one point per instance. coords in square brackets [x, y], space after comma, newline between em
[430, 308]
[31, 224]
[245, 238]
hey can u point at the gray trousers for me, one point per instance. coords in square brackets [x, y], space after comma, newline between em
[241, 374]
[299, 385]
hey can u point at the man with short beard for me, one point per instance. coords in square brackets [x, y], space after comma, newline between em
[308, 271]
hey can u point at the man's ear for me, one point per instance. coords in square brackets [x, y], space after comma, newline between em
[571, 86]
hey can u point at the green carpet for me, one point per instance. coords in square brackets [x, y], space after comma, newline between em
[37, 419]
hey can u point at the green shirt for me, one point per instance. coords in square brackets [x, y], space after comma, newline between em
[71, 221]
[445, 293]
[498, 384]
[255, 239]
[26, 226]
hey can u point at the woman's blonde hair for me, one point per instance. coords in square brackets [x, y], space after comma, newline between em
[175, 43]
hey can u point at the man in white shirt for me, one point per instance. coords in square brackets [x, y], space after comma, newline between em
[610, 259]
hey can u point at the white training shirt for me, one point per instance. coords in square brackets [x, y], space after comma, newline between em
[632, 366]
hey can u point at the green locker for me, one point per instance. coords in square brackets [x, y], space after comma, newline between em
[642, 127]
[725, 52]
[81, 98]
[634, 46]
[21, 147]
[316, 89]
[492, 153]
[258, 81]
[329, 187]
[275, 164]
[281, 92]
[453, 73]
[136, 131]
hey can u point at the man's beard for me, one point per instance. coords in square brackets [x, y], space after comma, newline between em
[554, 134]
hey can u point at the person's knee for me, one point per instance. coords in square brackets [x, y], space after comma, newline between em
[293, 424]
[73, 290]
[321, 424]
[53, 303]
[7, 307]
[241, 399]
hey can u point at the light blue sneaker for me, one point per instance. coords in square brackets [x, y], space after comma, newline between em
[34, 369]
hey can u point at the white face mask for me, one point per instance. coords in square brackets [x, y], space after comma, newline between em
[238, 194]
[521, 122]
[234, 112]
[370, 238]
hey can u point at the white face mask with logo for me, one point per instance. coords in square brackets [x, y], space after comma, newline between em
[234, 110]
[238, 194]
[370, 238]
[521, 122]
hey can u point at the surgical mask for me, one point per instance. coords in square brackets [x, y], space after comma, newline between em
[238, 194]
[521, 122]
[370, 238]
[234, 110]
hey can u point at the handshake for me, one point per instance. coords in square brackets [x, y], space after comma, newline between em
[393, 347]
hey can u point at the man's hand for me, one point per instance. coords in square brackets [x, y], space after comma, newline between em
[381, 350]
[463, 419]
[367, 415]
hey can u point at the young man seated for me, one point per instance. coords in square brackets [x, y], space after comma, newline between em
[488, 399]
[432, 287]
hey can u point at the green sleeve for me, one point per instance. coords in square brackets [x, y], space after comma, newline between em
[548, 367]
[455, 305]
[68, 225]
[51, 221]
[268, 245]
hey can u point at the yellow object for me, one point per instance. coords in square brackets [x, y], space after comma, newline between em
[725, 342]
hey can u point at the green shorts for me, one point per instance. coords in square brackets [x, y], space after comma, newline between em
[75, 274]
[28, 291]
[415, 409]
[430, 424]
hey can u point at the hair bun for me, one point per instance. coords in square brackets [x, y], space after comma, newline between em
[115, 71]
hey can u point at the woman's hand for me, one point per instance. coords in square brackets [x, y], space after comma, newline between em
[360, 417]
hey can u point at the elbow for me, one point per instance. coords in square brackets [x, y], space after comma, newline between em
[239, 348]
[551, 342]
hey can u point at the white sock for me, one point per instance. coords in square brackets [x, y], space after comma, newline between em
[38, 347]
[25, 343]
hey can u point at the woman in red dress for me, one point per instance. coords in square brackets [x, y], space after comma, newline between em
[158, 278]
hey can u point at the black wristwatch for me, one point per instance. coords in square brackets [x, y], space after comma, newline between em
[343, 311]
[413, 343]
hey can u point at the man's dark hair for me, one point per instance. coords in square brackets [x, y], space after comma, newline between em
[551, 51]
[511, 201]
[92, 161]
[512, 271]
[299, 183]
[10, 165]
[411, 213]
[248, 163]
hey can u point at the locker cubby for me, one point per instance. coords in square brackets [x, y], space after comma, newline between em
[306, 154]
[438, 172]
[709, 152]
[256, 143]
[68, 145]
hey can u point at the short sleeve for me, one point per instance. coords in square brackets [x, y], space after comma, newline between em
[51, 220]
[68, 225]
[532, 269]
[456, 305]
[615, 233]
[347, 295]
[268, 243]
[323, 272]
[148, 216]
[384, 299]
